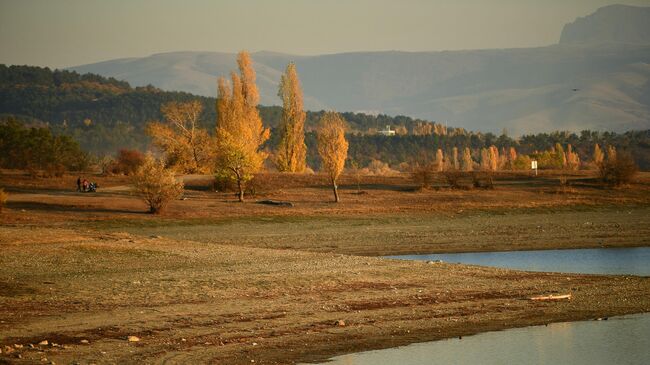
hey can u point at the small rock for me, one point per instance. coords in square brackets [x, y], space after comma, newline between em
[44, 343]
[254, 343]
[133, 339]
[340, 323]
[85, 342]
[18, 346]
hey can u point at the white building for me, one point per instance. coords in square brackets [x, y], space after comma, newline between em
[387, 131]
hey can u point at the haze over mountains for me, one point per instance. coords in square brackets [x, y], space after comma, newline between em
[597, 77]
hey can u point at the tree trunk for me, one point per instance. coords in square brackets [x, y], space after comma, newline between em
[336, 191]
[241, 189]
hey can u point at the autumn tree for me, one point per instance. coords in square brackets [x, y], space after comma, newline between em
[572, 158]
[332, 147]
[239, 133]
[156, 184]
[187, 147]
[455, 164]
[127, 162]
[468, 163]
[598, 156]
[440, 163]
[292, 151]
[618, 168]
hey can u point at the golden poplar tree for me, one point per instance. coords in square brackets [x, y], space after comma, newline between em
[239, 133]
[455, 164]
[440, 163]
[187, 147]
[468, 163]
[493, 155]
[332, 147]
[599, 156]
[485, 159]
[292, 151]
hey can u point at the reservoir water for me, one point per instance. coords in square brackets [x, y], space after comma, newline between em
[617, 261]
[619, 340]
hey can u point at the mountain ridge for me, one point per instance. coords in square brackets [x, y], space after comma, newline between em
[524, 90]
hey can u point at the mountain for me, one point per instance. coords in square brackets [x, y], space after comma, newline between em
[610, 24]
[573, 85]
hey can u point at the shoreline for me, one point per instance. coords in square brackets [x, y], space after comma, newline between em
[190, 301]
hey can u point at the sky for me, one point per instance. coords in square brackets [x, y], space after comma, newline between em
[63, 33]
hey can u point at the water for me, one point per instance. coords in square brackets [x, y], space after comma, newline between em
[620, 340]
[633, 261]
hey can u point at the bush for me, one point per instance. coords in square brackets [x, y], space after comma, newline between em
[618, 170]
[453, 178]
[156, 184]
[483, 180]
[423, 175]
[3, 198]
[127, 162]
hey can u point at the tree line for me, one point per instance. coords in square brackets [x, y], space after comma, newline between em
[105, 115]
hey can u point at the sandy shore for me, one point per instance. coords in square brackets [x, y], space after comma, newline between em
[195, 302]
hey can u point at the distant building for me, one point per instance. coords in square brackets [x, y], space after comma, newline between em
[387, 131]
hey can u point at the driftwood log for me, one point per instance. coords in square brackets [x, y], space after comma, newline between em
[552, 297]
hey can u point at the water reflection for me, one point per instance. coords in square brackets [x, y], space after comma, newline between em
[620, 340]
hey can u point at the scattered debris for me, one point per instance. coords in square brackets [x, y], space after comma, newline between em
[44, 343]
[85, 342]
[133, 339]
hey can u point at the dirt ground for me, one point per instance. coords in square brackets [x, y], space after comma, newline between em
[216, 281]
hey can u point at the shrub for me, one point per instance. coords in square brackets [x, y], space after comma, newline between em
[127, 162]
[453, 178]
[423, 174]
[3, 198]
[483, 180]
[618, 170]
[156, 184]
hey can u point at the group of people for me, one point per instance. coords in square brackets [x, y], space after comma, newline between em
[86, 186]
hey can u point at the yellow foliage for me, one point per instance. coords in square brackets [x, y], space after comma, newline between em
[3, 198]
[292, 151]
[599, 157]
[332, 147]
[187, 147]
[156, 184]
[239, 132]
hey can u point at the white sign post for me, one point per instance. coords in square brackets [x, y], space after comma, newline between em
[533, 165]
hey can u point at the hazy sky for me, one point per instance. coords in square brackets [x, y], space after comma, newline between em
[73, 32]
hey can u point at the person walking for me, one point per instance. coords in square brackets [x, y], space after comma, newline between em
[79, 184]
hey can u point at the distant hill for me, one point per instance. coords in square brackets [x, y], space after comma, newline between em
[105, 114]
[610, 24]
[573, 85]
